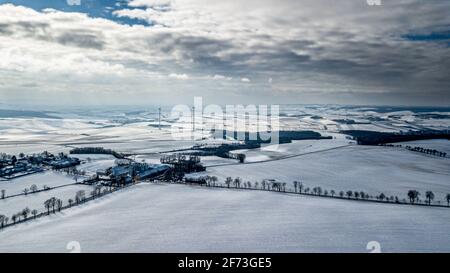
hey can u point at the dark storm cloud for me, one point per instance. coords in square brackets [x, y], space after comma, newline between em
[5, 29]
[198, 53]
[81, 39]
[36, 30]
[43, 31]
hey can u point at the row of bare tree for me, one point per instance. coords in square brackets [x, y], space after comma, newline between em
[273, 185]
[419, 149]
[53, 205]
[17, 217]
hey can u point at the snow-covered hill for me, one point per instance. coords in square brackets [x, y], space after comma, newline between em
[371, 169]
[177, 218]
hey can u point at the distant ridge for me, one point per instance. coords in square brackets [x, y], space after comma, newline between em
[25, 114]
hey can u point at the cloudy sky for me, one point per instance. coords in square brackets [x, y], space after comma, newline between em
[233, 51]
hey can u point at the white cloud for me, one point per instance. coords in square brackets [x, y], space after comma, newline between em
[179, 76]
[345, 46]
[221, 77]
[148, 3]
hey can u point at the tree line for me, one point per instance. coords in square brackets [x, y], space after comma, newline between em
[300, 188]
[96, 150]
[54, 205]
[419, 149]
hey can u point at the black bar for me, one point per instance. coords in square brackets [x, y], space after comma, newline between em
[230, 262]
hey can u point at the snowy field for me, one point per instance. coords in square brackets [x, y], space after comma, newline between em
[176, 218]
[137, 133]
[36, 148]
[49, 178]
[36, 201]
[362, 168]
[215, 160]
[298, 147]
[91, 163]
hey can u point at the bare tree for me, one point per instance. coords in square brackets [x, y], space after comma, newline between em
[207, 179]
[34, 213]
[79, 196]
[295, 185]
[25, 212]
[2, 220]
[98, 190]
[59, 204]
[53, 202]
[33, 188]
[48, 205]
[237, 182]
[241, 158]
[3, 194]
[276, 186]
[413, 196]
[70, 201]
[317, 190]
[430, 196]
[228, 181]
[332, 192]
[214, 180]
[349, 194]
